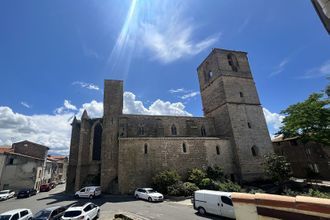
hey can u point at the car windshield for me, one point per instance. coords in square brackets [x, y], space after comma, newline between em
[4, 217]
[151, 191]
[72, 213]
[42, 214]
[4, 192]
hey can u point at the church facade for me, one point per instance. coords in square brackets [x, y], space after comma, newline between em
[123, 151]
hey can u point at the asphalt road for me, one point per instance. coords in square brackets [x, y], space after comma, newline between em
[109, 205]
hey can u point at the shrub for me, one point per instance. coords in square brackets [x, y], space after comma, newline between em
[190, 188]
[228, 186]
[317, 193]
[254, 191]
[207, 183]
[215, 173]
[196, 176]
[165, 179]
[176, 189]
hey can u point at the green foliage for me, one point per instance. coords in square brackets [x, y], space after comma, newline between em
[196, 176]
[254, 191]
[165, 179]
[215, 173]
[277, 168]
[317, 193]
[309, 119]
[228, 186]
[207, 183]
[182, 189]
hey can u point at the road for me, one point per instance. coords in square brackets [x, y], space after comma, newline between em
[109, 205]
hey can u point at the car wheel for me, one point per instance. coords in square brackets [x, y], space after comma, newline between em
[98, 214]
[76, 196]
[137, 196]
[90, 196]
[201, 211]
[29, 218]
[150, 199]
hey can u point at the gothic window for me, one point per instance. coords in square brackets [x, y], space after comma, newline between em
[173, 130]
[141, 130]
[145, 148]
[254, 151]
[241, 94]
[203, 131]
[184, 148]
[210, 75]
[249, 125]
[218, 150]
[97, 140]
[232, 61]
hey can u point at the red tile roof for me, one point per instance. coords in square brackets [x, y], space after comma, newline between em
[5, 149]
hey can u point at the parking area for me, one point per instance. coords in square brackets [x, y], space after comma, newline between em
[109, 204]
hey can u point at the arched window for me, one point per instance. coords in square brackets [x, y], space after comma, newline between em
[203, 131]
[145, 148]
[210, 75]
[97, 140]
[173, 130]
[218, 150]
[141, 130]
[254, 151]
[184, 148]
[232, 61]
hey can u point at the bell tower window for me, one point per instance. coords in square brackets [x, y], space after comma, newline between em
[232, 61]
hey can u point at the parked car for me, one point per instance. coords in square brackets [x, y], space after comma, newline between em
[51, 213]
[45, 187]
[6, 194]
[87, 211]
[61, 182]
[214, 202]
[26, 193]
[17, 214]
[89, 192]
[148, 194]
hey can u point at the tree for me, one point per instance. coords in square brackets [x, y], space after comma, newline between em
[309, 119]
[165, 179]
[277, 168]
[196, 176]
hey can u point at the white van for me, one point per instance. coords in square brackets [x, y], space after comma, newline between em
[214, 202]
[89, 192]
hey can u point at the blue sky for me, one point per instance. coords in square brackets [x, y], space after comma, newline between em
[54, 56]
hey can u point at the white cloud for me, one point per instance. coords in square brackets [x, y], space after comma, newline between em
[322, 71]
[189, 95]
[186, 94]
[280, 67]
[177, 90]
[67, 107]
[50, 130]
[25, 104]
[90, 86]
[274, 120]
[54, 130]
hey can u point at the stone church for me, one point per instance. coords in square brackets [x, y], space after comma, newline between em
[123, 151]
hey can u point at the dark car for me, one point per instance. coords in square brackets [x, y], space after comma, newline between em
[52, 213]
[45, 187]
[24, 193]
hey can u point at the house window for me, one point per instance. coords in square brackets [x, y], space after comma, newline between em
[232, 61]
[249, 125]
[141, 130]
[184, 148]
[145, 148]
[218, 150]
[173, 130]
[254, 151]
[203, 131]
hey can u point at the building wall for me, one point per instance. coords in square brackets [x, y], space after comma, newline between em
[31, 149]
[22, 173]
[136, 168]
[160, 126]
[303, 156]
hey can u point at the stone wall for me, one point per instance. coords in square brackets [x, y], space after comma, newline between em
[160, 126]
[137, 167]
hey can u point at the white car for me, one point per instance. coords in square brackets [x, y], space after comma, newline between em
[17, 214]
[6, 194]
[87, 211]
[89, 192]
[148, 194]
